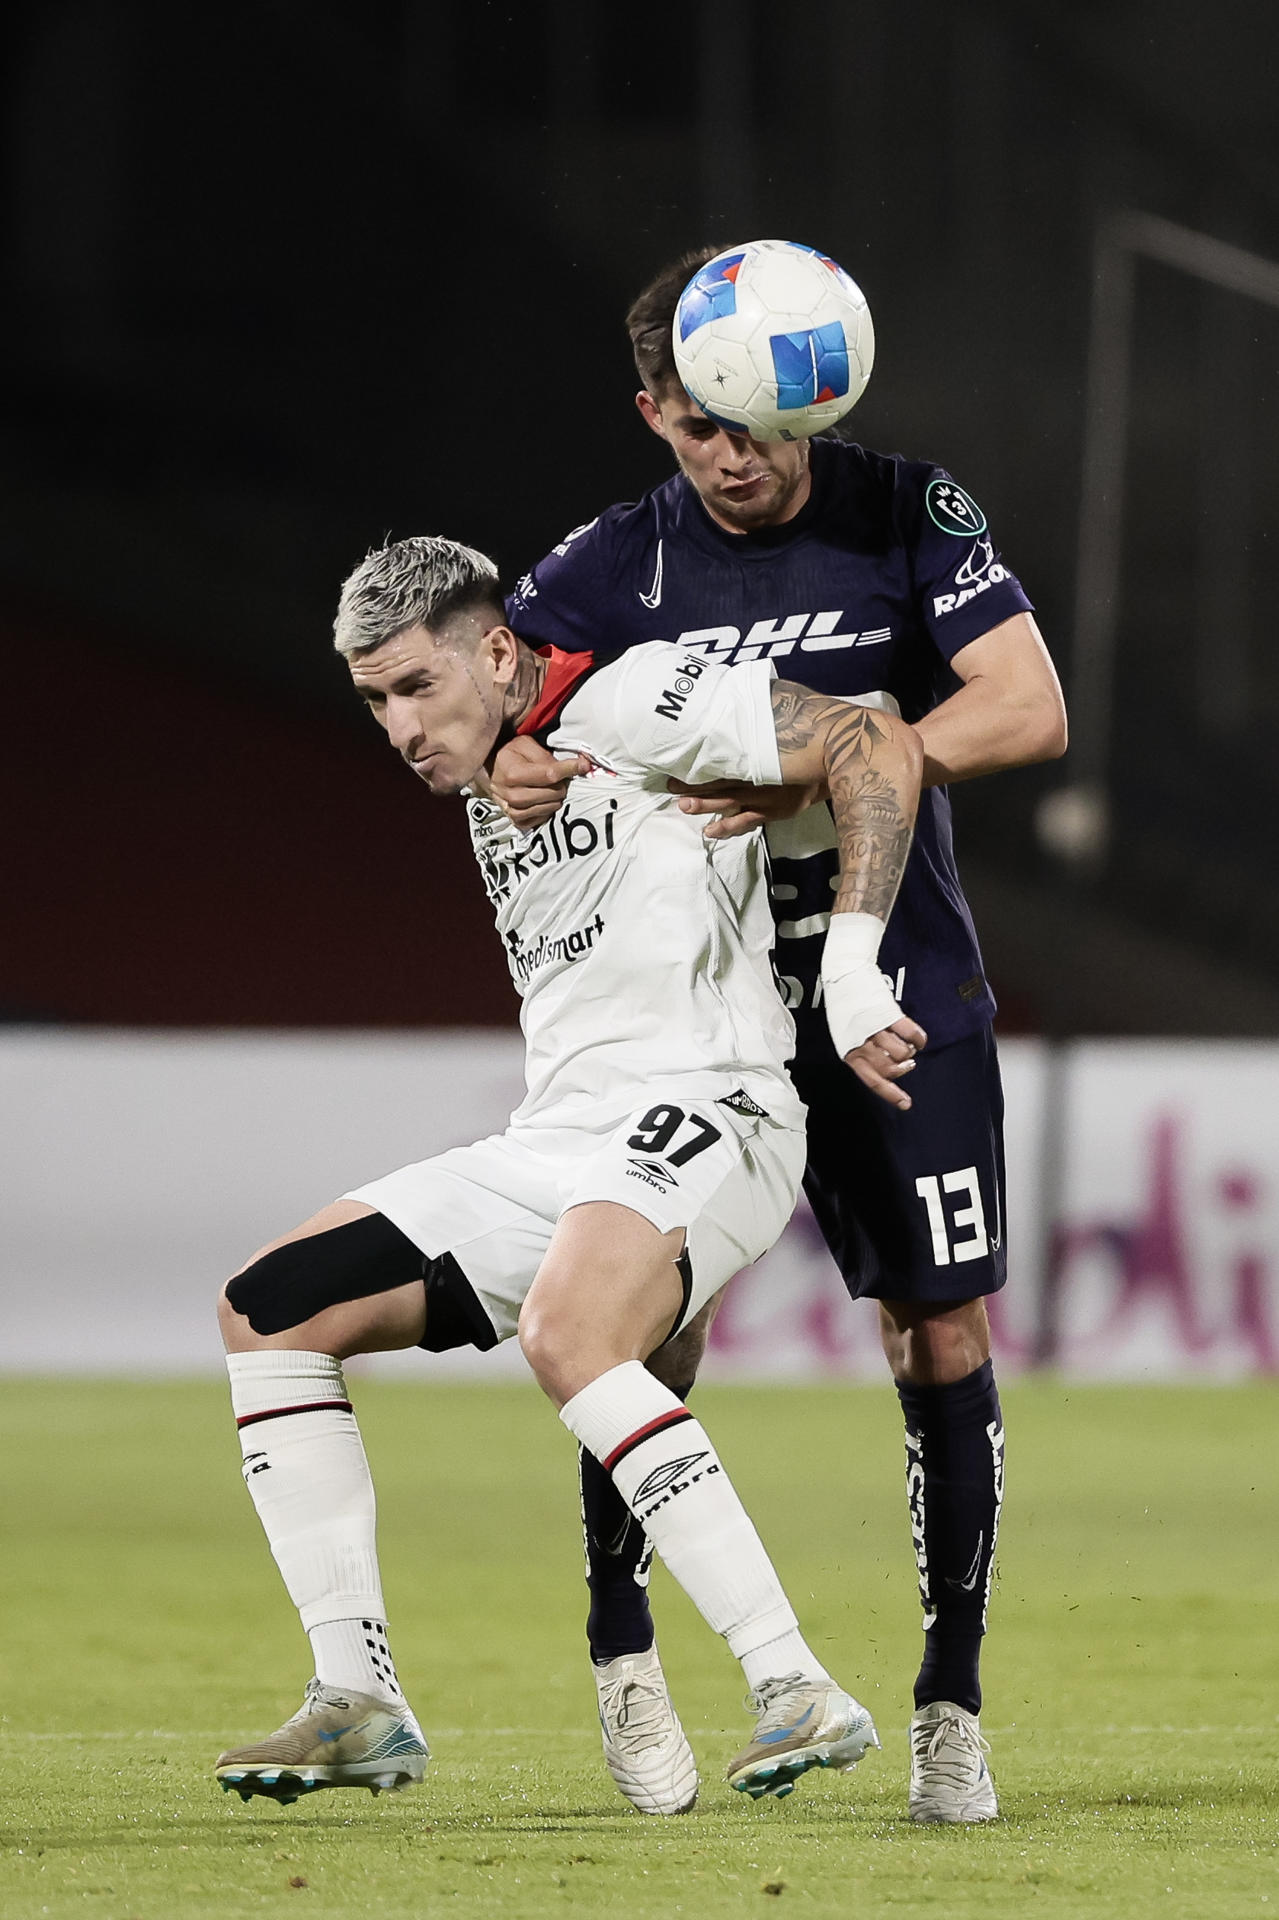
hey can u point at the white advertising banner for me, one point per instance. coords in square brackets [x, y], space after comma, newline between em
[1166, 1245]
[137, 1170]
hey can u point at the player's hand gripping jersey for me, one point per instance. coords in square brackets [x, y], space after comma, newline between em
[642, 951]
[885, 574]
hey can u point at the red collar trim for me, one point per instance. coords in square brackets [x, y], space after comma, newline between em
[562, 675]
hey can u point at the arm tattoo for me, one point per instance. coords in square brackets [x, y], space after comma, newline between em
[874, 789]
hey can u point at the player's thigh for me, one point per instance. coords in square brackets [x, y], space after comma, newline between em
[610, 1287]
[912, 1204]
[481, 1217]
[727, 1181]
[346, 1281]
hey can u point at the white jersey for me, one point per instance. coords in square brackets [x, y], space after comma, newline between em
[642, 951]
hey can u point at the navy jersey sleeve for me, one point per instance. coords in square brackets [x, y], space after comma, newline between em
[564, 601]
[963, 587]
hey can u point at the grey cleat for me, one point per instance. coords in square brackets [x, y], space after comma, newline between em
[950, 1782]
[645, 1749]
[802, 1723]
[336, 1739]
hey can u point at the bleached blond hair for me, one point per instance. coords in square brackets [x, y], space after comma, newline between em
[419, 582]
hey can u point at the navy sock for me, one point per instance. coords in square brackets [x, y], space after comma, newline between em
[618, 1559]
[955, 1486]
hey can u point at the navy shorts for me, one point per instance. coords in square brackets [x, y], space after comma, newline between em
[911, 1205]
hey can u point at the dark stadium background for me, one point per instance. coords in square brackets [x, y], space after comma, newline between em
[281, 279]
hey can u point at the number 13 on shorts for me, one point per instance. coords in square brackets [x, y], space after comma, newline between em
[959, 1233]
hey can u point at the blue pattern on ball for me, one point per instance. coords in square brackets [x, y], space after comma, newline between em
[808, 363]
[709, 294]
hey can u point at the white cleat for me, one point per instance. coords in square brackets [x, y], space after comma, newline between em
[645, 1749]
[950, 1782]
[802, 1723]
[336, 1739]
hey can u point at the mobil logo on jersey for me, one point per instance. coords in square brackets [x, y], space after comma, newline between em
[824, 632]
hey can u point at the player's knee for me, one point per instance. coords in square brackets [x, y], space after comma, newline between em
[247, 1303]
[541, 1341]
[231, 1323]
[550, 1341]
[934, 1342]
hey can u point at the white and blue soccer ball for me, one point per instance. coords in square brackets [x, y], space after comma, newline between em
[773, 339]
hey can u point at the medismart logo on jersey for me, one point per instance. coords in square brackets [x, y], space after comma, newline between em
[770, 639]
[547, 948]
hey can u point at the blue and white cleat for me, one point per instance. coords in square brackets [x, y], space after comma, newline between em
[802, 1723]
[950, 1783]
[337, 1739]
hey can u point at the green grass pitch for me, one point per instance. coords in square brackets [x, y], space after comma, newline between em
[1132, 1673]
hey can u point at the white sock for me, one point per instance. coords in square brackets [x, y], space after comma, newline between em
[670, 1477]
[355, 1654]
[305, 1467]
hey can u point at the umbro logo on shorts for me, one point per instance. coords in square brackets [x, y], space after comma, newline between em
[652, 1172]
[741, 1102]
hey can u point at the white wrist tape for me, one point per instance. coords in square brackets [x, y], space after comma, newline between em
[858, 999]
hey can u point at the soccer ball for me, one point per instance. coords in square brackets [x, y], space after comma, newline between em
[774, 340]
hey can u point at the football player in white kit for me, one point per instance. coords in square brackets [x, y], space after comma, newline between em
[658, 1149]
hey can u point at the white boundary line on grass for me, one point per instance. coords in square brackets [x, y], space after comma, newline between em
[703, 1733]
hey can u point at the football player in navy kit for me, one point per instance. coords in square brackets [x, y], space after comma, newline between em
[870, 577]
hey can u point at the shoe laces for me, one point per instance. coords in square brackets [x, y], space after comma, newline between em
[952, 1727]
[636, 1710]
[769, 1692]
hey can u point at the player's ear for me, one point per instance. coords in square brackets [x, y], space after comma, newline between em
[504, 651]
[650, 412]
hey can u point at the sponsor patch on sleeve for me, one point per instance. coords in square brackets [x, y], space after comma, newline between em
[953, 510]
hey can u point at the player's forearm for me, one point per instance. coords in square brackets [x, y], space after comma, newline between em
[874, 769]
[977, 731]
[870, 764]
[985, 727]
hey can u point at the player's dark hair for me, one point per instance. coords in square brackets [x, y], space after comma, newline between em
[651, 316]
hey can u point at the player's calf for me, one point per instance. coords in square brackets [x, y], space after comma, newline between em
[340, 1285]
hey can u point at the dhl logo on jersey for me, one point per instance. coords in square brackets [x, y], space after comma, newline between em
[771, 639]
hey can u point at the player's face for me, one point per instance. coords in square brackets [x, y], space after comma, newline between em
[440, 698]
[743, 483]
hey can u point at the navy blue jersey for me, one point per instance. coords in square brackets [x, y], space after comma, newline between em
[885, 573]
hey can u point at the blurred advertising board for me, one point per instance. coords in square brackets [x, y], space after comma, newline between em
[138, 1169]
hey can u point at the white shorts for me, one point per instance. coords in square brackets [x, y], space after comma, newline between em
[729, 1179]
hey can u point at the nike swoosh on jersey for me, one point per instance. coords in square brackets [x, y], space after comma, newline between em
[969, 1580]
[653, 598]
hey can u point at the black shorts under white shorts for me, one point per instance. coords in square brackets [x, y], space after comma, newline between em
[911, 1204]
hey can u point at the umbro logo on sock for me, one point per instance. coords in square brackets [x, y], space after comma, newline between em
[666, 1483]
[661, 1477]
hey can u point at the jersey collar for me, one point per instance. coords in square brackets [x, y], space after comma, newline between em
[562, 675]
